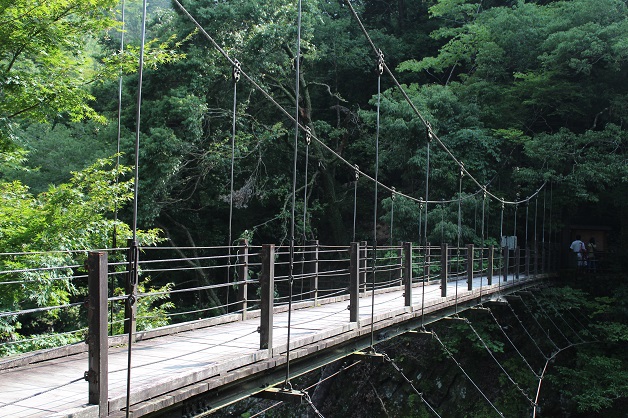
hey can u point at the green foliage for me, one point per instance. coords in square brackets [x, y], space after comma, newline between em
[44, 229]
[595, 382]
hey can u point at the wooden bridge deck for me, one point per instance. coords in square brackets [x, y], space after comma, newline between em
[171, 368]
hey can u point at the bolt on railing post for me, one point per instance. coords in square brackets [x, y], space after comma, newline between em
[243, 275]
[97, 374]
[312, 268]
[363, 260]
[267, 294]
[444, 262]
[407, 273]
[469, 266]
[491, 263]
[354, 281]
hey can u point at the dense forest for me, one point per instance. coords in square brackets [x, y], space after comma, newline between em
[524, 93]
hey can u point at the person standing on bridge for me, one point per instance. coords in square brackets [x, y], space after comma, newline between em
[579, 250]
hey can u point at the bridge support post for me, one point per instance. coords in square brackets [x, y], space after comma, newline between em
[517, 262]
[97, 374]
[426, 266]
[505, 262]
[407, 272]
[363, 260]
[243, 275]
[267, 290]
[469, 266]
[444, 267]
[354, 281]
[489, 267]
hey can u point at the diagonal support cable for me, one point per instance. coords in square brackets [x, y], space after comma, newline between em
[525, 329]
[511, 342]
[430, 407]
[490, 352]
[466, 374]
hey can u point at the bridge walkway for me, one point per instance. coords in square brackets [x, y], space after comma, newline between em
[173, 367]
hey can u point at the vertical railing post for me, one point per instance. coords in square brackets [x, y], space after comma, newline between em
[354, 281]
[505, 262]
[469, 266]
[243, 275]
[491, 263]
[97, 374]
[517, 262]
[407, 272]
[267, 294]
[363, 260]
[444, 262]
[312, 268]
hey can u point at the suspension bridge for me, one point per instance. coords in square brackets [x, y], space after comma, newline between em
[202, 365]
[275, 312]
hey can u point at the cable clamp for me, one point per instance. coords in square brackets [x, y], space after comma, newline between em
[380, 62]
[236, 71]
[357, 172]
[394, 193]
[308, 135]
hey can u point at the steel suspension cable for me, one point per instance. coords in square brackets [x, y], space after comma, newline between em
[482, 247]
[490, 311]
[490, 352]
[550, 318]
[287, 384]
[133, 250]
[537, 322]
[525, 329]
[459, 234]
[420, 394]
[119, 128]
[318, 140]
[451, 356]
[235, 75]
[501, 248]
[426, 267]
[380, 71]
[355, 197]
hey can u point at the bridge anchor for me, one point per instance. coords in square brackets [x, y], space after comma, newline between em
[280, 394]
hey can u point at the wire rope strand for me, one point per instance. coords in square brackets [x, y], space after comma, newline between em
[235, 75]
[379, 69]
[133, 247]
[490, 311]
[537, 322]
[426, 270]
[287, 384]
[459, 233]
[490, 352]
[451, 356]
[525, 329]
[119, 127]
